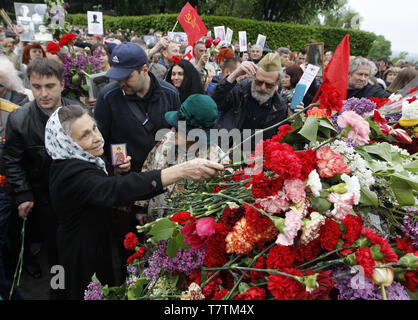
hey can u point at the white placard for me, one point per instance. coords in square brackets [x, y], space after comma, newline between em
[309, 75]
[261, 40]
[95, 22]
[242, 41]
[179, 38]
[220, 32]
[228, 37]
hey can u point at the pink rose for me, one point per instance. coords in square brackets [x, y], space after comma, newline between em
[343, 203]
[330, 163]
[360, 127]
[294, 189]
[198, 233]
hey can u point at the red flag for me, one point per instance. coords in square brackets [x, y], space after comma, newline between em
[192, 24]
[336, 72]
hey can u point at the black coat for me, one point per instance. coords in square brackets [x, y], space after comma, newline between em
[368, 91]
[118, 124]
[240, 110]
[82, 196]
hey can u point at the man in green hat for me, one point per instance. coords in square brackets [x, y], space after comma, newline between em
[252, 103]
[195, 119]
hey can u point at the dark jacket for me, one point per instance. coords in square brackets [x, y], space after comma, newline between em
[83, 195]
[240, 110]
[368, 91]
[16, 97]
[118, 124]
[25, 159]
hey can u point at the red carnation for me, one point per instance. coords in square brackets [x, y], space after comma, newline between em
[67, 38]
[175, 59]
[329, 235]
[183, 217]
[365, 260]
[231, 216]
[254, 276]
[216, 248]
[353, 225]
[405, 244]
[53, 47]
[411, 280]
[137, 255]
[219, 295]
[217, 188]
[199, 232]
[412, 90]
[385, 248]
[264, 186]
[254, 293]
[286, 288]
[379, 102]
[309, 160]
[282, 159]
[130, 241]
[325, 285]
[280, 257]
[308, 252]
[283, 130]
[259, 222]
[330, 99]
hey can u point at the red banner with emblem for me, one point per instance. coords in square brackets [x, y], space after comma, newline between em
[192, 24]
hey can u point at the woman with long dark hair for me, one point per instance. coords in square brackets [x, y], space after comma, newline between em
[185, 77]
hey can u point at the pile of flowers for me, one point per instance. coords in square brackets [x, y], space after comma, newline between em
[326, 209]
[77, 65]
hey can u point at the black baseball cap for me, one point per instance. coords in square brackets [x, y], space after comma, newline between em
[125, 58]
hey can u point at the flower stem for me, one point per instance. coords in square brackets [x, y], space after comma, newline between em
[382, 287]
[18, 271]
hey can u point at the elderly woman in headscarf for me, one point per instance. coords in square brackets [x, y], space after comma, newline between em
[199, 111]
[83, 193]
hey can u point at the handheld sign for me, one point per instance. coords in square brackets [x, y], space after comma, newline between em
[298, 95]
[95, 22]
[309, 75]
[242, 41]
[261, 40]
[220, 32]
[228, 37]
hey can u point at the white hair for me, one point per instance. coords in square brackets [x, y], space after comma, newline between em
[360, 61]
[256, 46]
[9, 76]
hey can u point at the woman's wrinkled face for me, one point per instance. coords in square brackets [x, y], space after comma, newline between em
[85, 133]
[177, 76]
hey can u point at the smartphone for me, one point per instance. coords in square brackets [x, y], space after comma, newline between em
[298, 95]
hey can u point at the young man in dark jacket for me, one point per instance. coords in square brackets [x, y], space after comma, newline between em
[25, 159]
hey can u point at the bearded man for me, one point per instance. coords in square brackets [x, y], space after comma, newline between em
[251, 103]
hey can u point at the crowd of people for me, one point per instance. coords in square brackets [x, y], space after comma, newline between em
[56, 159]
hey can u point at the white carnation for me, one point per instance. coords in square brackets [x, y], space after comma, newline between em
[314, 183]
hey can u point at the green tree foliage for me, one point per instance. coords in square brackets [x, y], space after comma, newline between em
[380, 48]
[341, 16]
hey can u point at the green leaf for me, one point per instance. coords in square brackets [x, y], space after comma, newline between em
[162, 230]
[172, 248]
[137, 290]
[403, 191]
[373, 125]
[413, 166]
[320, 205]
[180, 241]
[326, 123]
[383, 150]
[310, 129]
[368, 197]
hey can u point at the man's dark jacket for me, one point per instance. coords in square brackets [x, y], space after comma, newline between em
[368, 91]
[118, 124]
[25, 159]
[240, 110]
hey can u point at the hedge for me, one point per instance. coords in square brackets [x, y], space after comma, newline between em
[293, 35]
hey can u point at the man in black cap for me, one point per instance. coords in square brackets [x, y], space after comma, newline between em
[131, 110]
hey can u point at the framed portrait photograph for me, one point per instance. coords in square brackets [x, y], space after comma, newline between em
[118, 152]
[95, 82]
[315, 56]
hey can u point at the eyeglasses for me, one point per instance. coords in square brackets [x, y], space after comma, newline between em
[268, 85]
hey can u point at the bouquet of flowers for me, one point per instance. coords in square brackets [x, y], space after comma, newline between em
[77, 65]
[326, 209]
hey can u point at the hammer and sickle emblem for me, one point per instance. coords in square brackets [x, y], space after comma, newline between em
[190, 19]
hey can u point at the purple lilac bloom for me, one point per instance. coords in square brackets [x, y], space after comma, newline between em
[93, 291]
[362, 288]
[409, 229]
[132, 269]
[360, 106]
[395, 117]
[94, 60]
[186, 260]
[130, 281]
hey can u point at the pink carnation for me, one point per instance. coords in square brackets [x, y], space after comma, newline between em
[360, 127]
[330, 163]
[342, 204]
[294, 189]
[275, 204]
[293, 223]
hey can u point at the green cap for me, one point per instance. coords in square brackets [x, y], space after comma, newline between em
[198, 111]
[270, 62]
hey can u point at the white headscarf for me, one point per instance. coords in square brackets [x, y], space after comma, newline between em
[60, 146]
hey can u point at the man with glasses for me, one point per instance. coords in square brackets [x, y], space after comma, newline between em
[252, 103]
